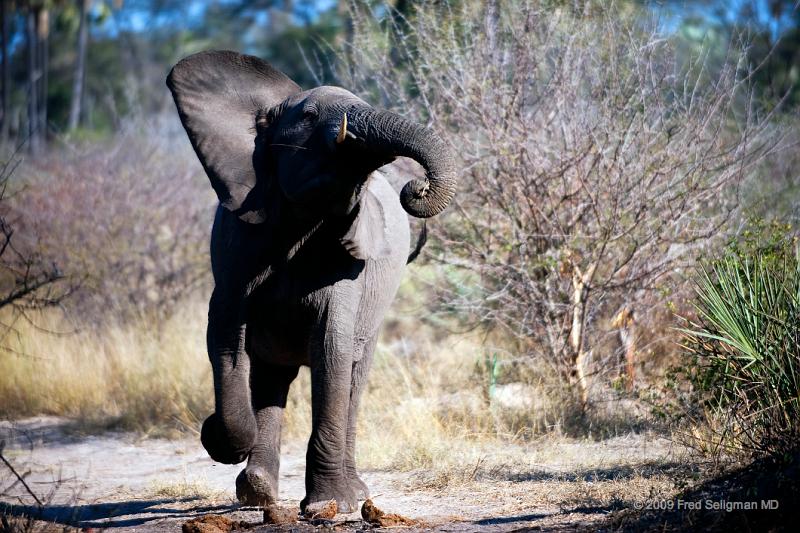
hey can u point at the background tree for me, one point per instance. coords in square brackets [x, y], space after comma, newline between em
[80, 65]
[595, 169]
[5, 79]
[43, 60]
[32, 41]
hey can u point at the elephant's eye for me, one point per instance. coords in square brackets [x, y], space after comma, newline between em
[262, 122]
[267, 117]
[310, 113]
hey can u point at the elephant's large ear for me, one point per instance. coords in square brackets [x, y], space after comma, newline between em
[367, 238]
[218, 95]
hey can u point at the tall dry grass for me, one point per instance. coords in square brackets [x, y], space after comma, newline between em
[142, 375]
[427, 402]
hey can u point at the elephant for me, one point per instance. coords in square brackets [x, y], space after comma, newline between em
[308, 246]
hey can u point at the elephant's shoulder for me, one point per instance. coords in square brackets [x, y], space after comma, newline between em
[388, 199]
[380, 231]
[379, 186]
[400, 172]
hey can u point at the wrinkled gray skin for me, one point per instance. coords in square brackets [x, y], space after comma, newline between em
[307, 250]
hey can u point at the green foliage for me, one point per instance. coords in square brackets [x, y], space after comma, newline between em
[489, 366]
[746, 339]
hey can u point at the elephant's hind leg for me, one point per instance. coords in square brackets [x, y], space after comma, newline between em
[257, 484]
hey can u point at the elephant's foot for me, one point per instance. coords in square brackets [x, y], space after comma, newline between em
[359, 487]
[323, 492]
[223, 447]
[255, 487]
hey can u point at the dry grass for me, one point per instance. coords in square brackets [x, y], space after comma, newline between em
[184, 489]
[426, 413]
[427, 404]
[134, 376]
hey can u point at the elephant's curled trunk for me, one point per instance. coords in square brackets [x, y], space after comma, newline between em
[392, 134]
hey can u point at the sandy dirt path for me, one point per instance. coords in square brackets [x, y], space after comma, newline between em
[126, 482]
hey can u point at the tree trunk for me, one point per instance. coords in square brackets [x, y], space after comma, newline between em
[399, 22]
[80, 66]
[625, 322]
[491, 24]
[4, 73]
[33, 79]
[580, 297]
[344, 39]
[43, 35]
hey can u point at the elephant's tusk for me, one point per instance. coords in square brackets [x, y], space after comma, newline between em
[342, 130]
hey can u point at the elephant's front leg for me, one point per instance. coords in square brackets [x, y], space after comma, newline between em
[228, 434]
[331, 371]
[358, 382]
[258, 483]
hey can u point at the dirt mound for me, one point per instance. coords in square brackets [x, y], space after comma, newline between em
[375, 516]
[275, 514]
[213, 523]
[321, 511]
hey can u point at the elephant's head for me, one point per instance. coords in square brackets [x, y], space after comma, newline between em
[253, 128]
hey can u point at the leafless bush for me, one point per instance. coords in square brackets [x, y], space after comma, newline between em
[28, 281]
[775, 193]
[126, 219]
[596, 163]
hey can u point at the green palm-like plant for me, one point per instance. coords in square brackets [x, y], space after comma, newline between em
[747, 342]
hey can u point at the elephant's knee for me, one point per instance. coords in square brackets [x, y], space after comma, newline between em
[227, 443]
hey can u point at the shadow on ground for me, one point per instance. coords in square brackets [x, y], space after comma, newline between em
[646, 469]
[129, 513]
[39, 431]
[762, 496]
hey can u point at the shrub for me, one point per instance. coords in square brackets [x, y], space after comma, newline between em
[596, 163]
[746, 341]
[29, 281]
[126, 219]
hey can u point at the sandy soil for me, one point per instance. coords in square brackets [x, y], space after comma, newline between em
[127, 482]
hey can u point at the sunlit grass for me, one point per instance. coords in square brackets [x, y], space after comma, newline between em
[426, 405]
[141, 376]
[186, 488]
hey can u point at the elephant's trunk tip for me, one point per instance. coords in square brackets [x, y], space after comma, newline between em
[424, 198]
